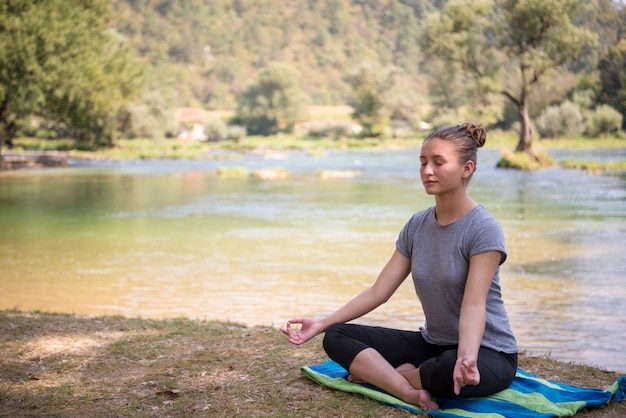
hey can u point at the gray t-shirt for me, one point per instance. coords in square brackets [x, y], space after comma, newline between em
[439, 265]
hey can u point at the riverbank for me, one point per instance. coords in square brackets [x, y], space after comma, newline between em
[68, 365]
[38, 153]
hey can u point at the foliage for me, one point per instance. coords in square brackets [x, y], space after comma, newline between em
[205, 52]
[612, 68]
[381, 95]
[60, 59]
[604, 120]
[150, 117]
[335, 129]
[72, 63]
[218, 130]
[273, 102]
[564, 120]
[507, 46]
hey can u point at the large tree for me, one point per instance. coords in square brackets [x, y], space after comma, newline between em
[61, 60]
[508, 46]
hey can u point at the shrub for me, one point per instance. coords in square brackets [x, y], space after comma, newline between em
[331, 129]
[564, 120]
[216, 130]
[603, 120]
[236, 132]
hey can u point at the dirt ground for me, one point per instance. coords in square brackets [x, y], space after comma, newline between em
[71, 366]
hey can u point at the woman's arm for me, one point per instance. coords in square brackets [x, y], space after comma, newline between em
[472, 319]
[398, 267]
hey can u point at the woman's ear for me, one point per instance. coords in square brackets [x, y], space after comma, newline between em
[468, 169]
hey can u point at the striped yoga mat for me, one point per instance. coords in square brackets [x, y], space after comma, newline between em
[528, 396]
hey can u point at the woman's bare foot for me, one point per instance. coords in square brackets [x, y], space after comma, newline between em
[352, 378]
[417, 396]
[425, 401]
[421, 397]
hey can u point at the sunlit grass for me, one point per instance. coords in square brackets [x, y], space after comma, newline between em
[523, 161]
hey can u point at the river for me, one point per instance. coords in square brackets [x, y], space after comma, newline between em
[164, 239]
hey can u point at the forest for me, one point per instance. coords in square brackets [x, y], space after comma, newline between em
[99, 70]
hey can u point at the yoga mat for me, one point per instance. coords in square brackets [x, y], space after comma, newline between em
[528, 396]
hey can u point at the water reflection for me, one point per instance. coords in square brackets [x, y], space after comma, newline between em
[169, 238]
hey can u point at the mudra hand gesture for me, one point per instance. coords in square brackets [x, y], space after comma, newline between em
[465, 373]
[301, 330]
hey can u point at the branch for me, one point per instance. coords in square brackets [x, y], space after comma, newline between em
[510, 96]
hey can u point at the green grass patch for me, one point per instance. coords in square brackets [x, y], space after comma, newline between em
[524, 161]
[595, 166]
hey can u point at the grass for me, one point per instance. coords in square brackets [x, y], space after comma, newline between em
[67, 365]
[523, 161]
[595, 166]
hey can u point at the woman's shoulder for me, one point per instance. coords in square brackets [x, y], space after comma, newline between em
[483, 222]
[422, 214]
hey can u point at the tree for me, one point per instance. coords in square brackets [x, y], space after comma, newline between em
[369, 109]
[508, 46]
[60, 60]
[380, 95]
[612, 68]
[272, 102]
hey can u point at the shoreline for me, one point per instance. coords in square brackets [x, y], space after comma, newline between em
[118, 366]
[35, 153]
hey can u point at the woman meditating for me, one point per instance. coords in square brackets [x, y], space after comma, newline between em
[453, 252]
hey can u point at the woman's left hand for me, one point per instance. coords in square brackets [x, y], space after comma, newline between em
[465, 373]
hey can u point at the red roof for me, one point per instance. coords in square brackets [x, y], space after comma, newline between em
[189, 114]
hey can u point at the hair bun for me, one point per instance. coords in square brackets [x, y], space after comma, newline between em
[476, 132]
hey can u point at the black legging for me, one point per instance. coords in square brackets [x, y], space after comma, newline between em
[343, 342]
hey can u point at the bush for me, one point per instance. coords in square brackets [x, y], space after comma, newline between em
[604, 120]
[560, 121]
[331, 129]
[236, 132]
[216, 130]
[149, 118]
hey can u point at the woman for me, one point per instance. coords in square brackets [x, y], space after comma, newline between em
[453, 252]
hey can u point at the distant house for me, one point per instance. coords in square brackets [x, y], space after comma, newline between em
[189, 121]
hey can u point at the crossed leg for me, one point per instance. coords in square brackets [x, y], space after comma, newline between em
[404, 382]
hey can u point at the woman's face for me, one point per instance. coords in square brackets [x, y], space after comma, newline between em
[441, 170]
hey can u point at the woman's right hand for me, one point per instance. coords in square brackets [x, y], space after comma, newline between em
[301, 330]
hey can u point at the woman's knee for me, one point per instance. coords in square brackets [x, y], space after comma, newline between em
[342, 343]
[436, 375]
[331, 335]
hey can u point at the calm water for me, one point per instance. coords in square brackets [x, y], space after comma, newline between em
[170, 238]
